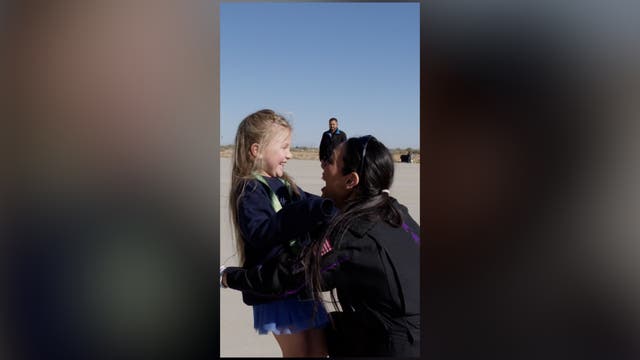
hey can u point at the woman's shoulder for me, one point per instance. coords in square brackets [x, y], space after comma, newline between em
[362, 226]
[395, 203]
[404, 211]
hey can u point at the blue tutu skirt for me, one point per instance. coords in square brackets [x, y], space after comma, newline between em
[288, 316]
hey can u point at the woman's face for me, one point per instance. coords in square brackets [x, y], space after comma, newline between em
[337, 187]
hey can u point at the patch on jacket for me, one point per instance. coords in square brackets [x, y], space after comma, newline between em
[326, 247]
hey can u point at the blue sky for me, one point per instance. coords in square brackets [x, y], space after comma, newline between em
[358, 62]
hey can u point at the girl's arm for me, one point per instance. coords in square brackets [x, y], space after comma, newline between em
[274, 278]
[263, 228]
[277, 277]
[310, 195]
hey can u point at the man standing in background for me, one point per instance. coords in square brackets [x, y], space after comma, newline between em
[330, 139]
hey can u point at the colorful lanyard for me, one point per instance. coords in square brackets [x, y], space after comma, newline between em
[275, 203]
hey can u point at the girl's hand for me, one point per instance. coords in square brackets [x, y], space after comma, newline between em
[223, 277]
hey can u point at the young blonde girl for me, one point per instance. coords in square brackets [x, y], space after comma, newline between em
[268, 212]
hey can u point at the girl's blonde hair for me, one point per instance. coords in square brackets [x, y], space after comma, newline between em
[259, 128]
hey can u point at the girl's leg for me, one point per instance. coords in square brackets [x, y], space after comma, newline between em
[308, 343]
[316, 343]
[293, 345]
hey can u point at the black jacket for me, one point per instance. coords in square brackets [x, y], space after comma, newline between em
[329, 142]
[375, 270]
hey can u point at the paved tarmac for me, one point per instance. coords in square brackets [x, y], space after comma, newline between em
[237, 336]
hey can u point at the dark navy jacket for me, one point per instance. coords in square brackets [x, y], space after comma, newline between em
[329, 141]
[263, 229]
[375, 269]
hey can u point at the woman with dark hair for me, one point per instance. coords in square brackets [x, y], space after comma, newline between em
[369, 254]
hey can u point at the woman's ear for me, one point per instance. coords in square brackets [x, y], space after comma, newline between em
[254, 150]
[352, 180]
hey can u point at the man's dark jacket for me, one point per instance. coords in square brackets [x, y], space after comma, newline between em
[329, 141]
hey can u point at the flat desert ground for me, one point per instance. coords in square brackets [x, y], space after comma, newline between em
[237, 336]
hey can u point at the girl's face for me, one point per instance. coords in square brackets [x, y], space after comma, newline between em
[337, 187]
[276, 153]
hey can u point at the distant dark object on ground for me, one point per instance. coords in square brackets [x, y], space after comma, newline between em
[408, 158]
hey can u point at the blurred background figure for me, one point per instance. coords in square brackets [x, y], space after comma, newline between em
[530, 250]
[109, 232]
[330, 139]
